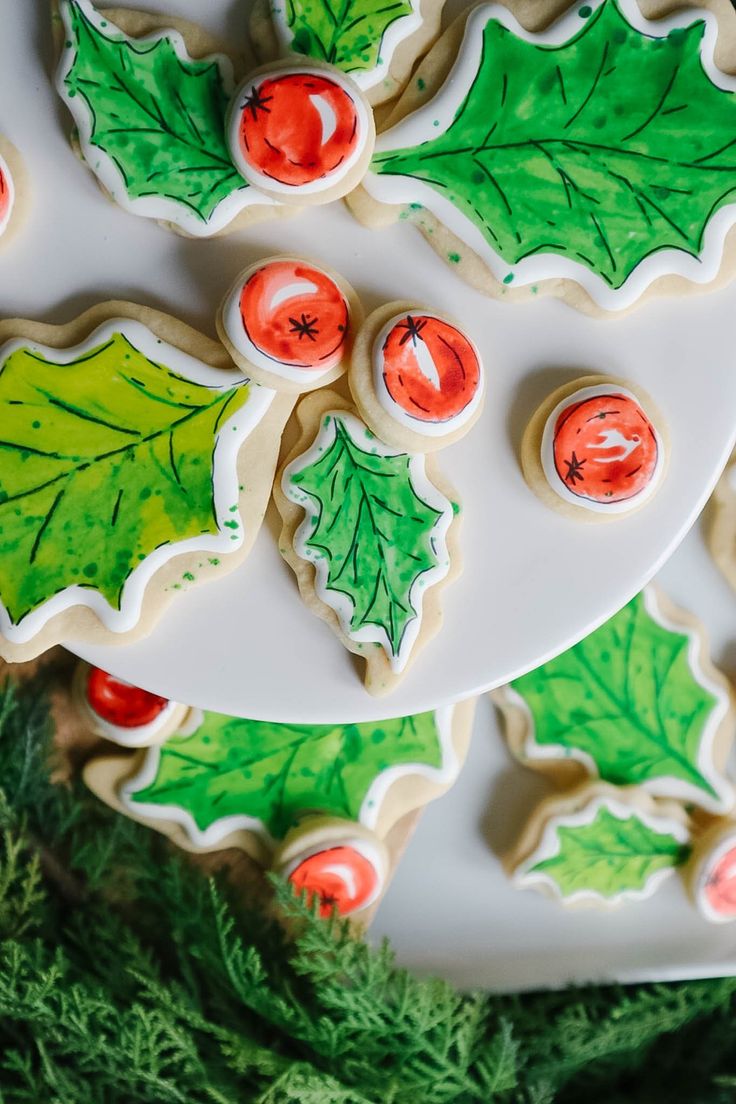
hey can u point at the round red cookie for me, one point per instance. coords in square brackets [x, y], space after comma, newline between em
[119, 704]
[601, 448]
[298, 132]
[7, 195]
[341, 878]
[720, 885]
[427, 373]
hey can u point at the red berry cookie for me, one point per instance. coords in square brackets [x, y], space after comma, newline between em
[124, 713]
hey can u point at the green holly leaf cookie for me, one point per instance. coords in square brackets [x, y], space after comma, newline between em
[375, 531]
[606, 855]
[605, 148]
[151, 121]
[273, 773]
[632, 703]
[107, 457]
[350, 35]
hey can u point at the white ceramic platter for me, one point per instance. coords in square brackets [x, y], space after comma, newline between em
[451, 910]
[534, 581]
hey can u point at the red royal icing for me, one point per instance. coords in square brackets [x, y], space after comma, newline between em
[720, 886]
[431, 370]
[121, 704]
[297, 128]
[4, 195]
[605, 448]
[296, 315]
[339, 877]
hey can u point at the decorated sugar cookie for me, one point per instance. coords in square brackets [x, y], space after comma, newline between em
[375, 43]
[289, 323]
[369, 532]
[123, 713]
[711, 873]
[721, 524]
[14, 190]
[291, 795]
[131, 470]
[600, 846]
[416, 377]
[588, 158]
[636, 703]
[595, 449]
[149, 99]
[301, 134]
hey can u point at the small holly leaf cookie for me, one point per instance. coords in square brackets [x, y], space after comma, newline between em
[369, 532]
[636, 703]
[222, 782]
[711, 873]
[375, 43]
[302, 134]
[595, 449]
[600, 846]
[130, 469]
[149, 103]
[125, 714]
[416, 377]
[589, 158]
[289, 323]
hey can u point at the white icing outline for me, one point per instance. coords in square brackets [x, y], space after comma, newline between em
[558, 485]
[419, 127]
[665, 786]
[10, 184]
[312, 187]
[396, 33]
[364, 847]
[427, 492]
[549, 846]
[370, 808]
[240, 340]
[395, 411]
[103, 166]
[137, 736]
[705, 865]
[230, 437]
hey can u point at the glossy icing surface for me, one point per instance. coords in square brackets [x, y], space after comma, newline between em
[7, 195]
[715, 883]
[119, 703]
[342, 878]
[375, 531]
[598, 150]
[427, 373]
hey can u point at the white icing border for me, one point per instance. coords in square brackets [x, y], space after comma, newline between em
[104, 167]
[549, 846]
[419, 127]
[396, 33]
[230, 437]
[137, 736]
[705, 866]
[312, 187]
[219, 829]
[239, 338]
[665, 786]
[558, 485]
[395, 411]
[336, 600]
[10, 184]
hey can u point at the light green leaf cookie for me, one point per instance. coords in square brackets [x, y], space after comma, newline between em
[274, 773]
[632, 703]
[349, 34]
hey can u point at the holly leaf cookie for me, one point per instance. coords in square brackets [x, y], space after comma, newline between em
[637, 702]
[598, 150]
[151, 121]
[366, 530]
[602, 849]
[119, 452]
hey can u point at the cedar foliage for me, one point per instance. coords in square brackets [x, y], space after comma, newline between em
[126, 977]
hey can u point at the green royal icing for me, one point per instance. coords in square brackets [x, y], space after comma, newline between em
[348, 34]
[626, 698]
[609, 856]
[371, 525]
[278, 772]
[605, 149]
[159, 118]
[102, 460]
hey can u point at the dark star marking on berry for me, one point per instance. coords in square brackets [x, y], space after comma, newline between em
[305, 327]
[255, 102]
[574, 470]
